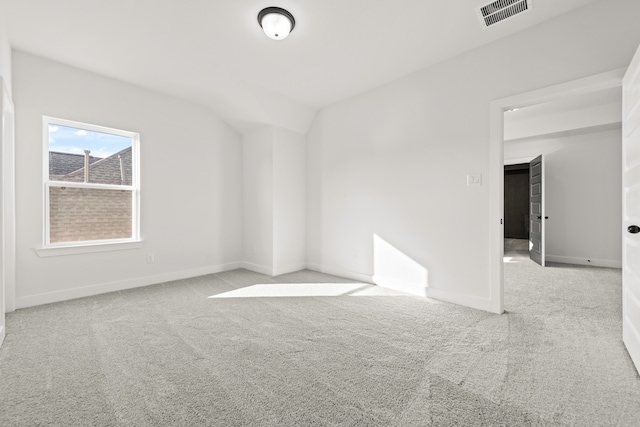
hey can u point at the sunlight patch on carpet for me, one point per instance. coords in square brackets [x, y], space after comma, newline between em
[280, 290]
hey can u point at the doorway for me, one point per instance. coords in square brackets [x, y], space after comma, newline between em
[516, 209]
[516, 201]
[599, 82]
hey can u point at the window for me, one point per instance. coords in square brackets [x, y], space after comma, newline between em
[91, 183]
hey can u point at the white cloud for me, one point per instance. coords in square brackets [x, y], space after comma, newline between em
[101, 152]
[81, 132]
[53, 128]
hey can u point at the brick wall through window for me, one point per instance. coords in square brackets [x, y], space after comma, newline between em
[82, 214]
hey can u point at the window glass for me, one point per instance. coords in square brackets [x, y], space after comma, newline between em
[86, 214]
[71, 149]
[91, 188]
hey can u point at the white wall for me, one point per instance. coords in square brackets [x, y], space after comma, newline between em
[274, 183]
[583, 175]
[289, 195]
[5, 49]
[191, 183]
[257, 167]
[393, 161]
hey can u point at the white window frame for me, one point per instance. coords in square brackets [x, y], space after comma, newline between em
[66, 248]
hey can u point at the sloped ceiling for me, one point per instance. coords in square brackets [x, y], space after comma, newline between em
[213, 52]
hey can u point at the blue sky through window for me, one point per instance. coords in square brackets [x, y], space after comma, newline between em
[64, 139]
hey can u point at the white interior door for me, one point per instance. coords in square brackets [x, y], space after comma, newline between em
[2, 269]
[631, 210]
[2, 234]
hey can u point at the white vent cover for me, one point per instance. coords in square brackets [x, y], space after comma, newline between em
[500, 10]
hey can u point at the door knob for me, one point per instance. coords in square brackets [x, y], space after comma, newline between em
[633, 229]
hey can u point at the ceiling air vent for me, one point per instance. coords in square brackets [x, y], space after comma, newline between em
[500, 10]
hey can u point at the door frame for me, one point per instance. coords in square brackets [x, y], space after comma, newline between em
[603, 81]
[7, 203]
[7, 192]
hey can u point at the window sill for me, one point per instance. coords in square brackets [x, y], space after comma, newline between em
[50, 251]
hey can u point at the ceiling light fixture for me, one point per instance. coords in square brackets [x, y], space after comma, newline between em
[276, 22]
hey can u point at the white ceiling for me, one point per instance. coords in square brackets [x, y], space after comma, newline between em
[213, 52]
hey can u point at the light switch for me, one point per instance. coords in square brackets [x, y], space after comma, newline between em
[474, 179]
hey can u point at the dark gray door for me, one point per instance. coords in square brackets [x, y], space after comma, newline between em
[536, 211]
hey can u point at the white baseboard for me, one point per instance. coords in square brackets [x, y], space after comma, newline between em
[272, 271]
[413, 288]
[584, 261]
[67, 294]
[289, 269]
[484, 304]
[258, 268]
[341, 273]
[2, 334]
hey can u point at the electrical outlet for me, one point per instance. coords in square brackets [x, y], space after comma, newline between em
[150, 259]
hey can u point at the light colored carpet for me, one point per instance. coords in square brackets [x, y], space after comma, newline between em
[233, 349]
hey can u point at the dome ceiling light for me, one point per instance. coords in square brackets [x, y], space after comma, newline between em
[276, 22]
